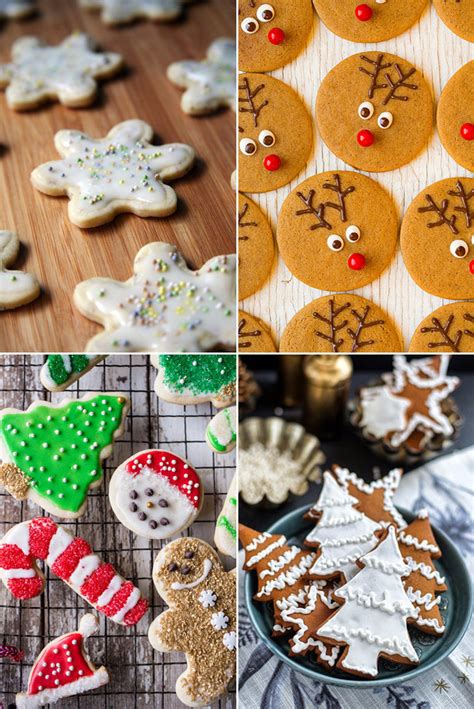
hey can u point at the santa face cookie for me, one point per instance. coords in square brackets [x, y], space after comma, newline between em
[438, 228]
[16, 287]
[337, 231]
[164, 306]
[60, 371]
[455, 116]
[16, 9]
[254, 335]
[156, 494]
[274, 133]
[448, 329]
[372, 21]
[195, 379]
[272, 34]
[341, 323]
[221, 431]
[256, 247]
[375, 111]
[120, 12]
[458, 15]
[66, 72]
[122, 172]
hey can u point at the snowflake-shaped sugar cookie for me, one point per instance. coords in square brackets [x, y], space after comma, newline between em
[16, 287]
[66, 72]
[163, 307]
[122, 172]
[117, 12]
[16, 9]
[210, 83]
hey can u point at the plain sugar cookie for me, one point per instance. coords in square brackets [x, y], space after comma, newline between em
[337, 231]
[341, 323]
[448, 329]
[458, 15]
[254, 334]
[375, 111]
[456, 116]
[256, 247]
[275, 133]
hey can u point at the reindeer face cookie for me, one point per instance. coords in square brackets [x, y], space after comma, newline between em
[201, 621]
[375, 111]
[455, 116]
[458, 15]
[256, 247]
[337, 231]
[437, 238]
[275, 133]
[449, 329]
[272, 34]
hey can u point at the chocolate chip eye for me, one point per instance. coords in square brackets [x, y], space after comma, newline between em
[162, 503]
[133, 507]
[133, 494]
[142, 516]
[335, 242]
[172, 566]
[265, 13]
[185, 570]
[153, 523]
[164, 521]
[353, 234]
[248, 146]
[459, 248]
[149, 492]
[267, 138]
[249, 25]
[385, 120]
[188, 554]
[366, 110]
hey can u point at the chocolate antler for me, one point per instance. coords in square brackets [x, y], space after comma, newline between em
[249, 99]
[439, 329]
[374, 75]
[401, 82]
[331, 322]
[441, 212]
[317, 211]
[253, 333]
[342, 194]
[243, 224]
[465, 199]
[469, 318]
[363, 325]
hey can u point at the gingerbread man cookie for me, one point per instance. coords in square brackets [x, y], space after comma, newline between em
[448, 329]
[195, 379]
[458, 15]
[210, 83]
[438, 228]
[16, 287]
[122, 172]
[455, 116]
[66, 72]
[164, 306]
[201, 621]
[256, 247]
[272, 34]
[375, 111]
[120, 12]
[16, 9]
[254, 334]
[275, 133]
[337, 231]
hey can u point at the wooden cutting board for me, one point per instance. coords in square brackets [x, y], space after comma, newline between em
[59, 253]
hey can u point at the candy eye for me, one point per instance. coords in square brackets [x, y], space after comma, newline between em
[353, 234]
[267, 138]
[265, 13]
[459, 248]
[385, 120]
[248, 146]
[249, 25]
[366, 110]
[335, 242]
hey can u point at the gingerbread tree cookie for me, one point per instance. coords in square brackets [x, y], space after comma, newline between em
[448, 329]
[122, 172]
[16, 287]
[118, 12]
[455, 115]
[201, 621]
[164, 306]
[16, 9]
[66, 72]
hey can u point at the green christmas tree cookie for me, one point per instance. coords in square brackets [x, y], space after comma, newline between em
[195, 379]
[60, 371]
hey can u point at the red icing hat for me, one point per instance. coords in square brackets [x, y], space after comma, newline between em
[176, 470]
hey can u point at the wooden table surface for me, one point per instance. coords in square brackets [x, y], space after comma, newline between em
[432, 47]
[59, 253]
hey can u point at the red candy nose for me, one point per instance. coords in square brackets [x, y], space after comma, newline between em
[467, 131]
[363, 13]
[276, 36]
[356, 262]
[471, 267]
[365, 138]
[272, 163]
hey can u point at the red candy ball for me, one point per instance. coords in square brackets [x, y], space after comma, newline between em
[272, 163]
[467, 131]
[363, 12]
[365, 138]
[356, 262]
[471, 267]
[276, 36]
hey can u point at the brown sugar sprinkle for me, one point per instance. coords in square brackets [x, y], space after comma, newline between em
[14, 480]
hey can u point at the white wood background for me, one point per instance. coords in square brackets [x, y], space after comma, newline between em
[439, 53]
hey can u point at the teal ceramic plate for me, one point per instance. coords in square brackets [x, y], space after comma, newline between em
[455, 609]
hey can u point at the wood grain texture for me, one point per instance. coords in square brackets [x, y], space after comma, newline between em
[60, 254]
[439, 54]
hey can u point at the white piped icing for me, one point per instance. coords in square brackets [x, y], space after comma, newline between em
[427, 601]
[422, 545]
[287, 578]
[257, 541]
[424, 569]
[265, 552]
[432, 623]
[326, 653]
[275, 565]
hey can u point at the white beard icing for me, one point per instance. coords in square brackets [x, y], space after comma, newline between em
[382, 412]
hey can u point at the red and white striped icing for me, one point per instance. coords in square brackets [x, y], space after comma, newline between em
[72, 559]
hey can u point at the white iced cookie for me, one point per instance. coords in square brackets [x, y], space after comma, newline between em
[66, 72]
[16, 287]
[225, 536]
[221, 433]
[118, 12]
[163, 307]
[156, 494]
[122, 172]
[16, 9]
[209, 83]
[60, 371]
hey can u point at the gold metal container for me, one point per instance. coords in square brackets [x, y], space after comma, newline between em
[326, 388]
[291, 379]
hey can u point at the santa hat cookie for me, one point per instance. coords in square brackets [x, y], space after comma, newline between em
[156, 494]
[63, 669]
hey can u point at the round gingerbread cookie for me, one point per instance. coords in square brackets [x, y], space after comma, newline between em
[256, 247]
[275, 133]
[341, 323]
[448, 329]
[437, 238]
[458, 15]
[337, 231]
[272, 34]
[375, 111]
[371, 21]
[254, 334]
[456, 116]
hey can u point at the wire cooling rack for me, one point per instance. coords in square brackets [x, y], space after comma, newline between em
[140, 676]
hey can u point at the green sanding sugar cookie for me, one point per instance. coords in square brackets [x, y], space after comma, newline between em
[193, 379]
